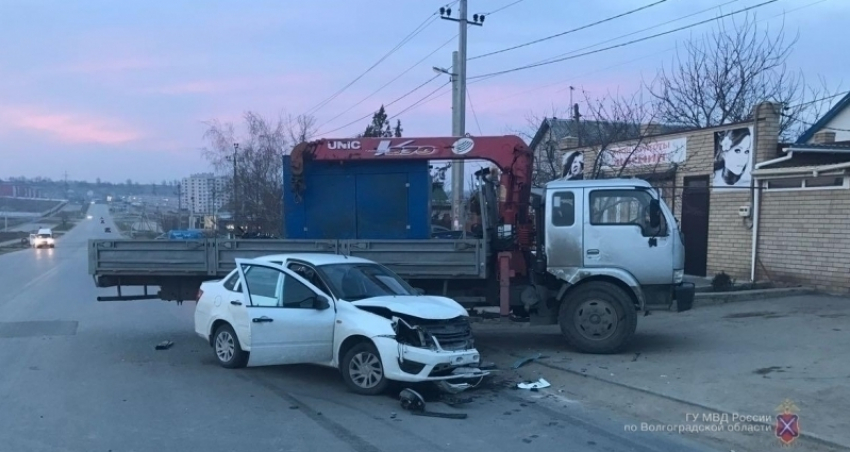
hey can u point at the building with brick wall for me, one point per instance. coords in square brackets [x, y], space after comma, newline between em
[748, 205]
[802, 199]
[687, 166]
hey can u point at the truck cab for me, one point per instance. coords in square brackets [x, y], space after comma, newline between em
[614, 235]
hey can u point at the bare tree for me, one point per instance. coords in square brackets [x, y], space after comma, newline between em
[720, 77]
[546, 163]
[257, 164]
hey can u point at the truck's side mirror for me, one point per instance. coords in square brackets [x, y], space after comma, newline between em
[418, 291]
[654, 213]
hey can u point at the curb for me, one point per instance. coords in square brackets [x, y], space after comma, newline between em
[715, 298]
[812, 437]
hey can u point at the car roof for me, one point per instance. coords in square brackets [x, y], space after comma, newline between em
[316, 258]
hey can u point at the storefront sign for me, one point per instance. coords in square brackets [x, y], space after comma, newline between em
[652, 153]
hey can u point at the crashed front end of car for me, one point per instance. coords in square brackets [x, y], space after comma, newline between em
[440, 350]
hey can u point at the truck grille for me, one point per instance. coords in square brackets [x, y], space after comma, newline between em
[452, 334]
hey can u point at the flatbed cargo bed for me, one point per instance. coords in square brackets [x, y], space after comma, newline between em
[150, 262]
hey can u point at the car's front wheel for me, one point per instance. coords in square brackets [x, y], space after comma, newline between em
[363, 370]
[228, 351]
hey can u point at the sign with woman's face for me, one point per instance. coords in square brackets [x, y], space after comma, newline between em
[573, 166]
[733, 158]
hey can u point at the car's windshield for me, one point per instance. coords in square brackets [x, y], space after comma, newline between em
[358, 281]
[44, 236]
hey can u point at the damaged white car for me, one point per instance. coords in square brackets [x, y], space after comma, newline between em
[339, 311]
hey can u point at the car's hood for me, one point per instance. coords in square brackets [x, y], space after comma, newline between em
[421, 306]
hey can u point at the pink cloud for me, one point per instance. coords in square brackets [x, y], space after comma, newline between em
[68, 127]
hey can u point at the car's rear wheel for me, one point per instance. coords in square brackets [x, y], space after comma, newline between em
[363, 370]
[228, 351]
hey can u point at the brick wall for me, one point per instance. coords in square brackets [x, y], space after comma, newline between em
[730, 236]
[804, 238]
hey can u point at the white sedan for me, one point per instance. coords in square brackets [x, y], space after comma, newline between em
[340, 311]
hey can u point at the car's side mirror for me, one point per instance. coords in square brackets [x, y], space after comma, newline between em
[419, 291]
[320, 303]
[654, 213]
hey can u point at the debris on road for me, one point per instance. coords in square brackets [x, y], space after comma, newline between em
[414, 402]
[164, 345]
[534, 385]
[527, 360]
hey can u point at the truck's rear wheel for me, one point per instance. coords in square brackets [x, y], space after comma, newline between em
[598, 317]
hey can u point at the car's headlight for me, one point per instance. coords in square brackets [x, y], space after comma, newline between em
[678, 276]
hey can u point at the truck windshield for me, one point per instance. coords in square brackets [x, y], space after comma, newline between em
[44, 236]
[358, 281]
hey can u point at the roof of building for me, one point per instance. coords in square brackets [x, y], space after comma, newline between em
[837, 147]
[591, 132]
[825, 119]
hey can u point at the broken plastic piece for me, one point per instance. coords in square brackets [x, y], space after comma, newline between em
[414, 402]
[164, 345]
[539, 384]
[525, 361]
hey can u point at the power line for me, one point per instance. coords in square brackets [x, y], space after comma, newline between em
[572, 52]
[645, 56]
[538, 88]
[503, 7]
[428, 21]
[819, 100]
[387, 105]
[418, 102]
[389, 82]
[474, 115]
[634, 41]
[568, 31]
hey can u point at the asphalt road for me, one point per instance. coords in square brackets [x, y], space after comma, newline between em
[79, 375]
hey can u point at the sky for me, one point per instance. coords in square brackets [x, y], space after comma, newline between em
[117, 90]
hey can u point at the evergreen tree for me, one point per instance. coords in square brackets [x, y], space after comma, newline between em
[380, 126]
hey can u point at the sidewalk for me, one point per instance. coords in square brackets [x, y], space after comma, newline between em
[742, 358]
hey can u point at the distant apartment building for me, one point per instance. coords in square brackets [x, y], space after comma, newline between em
[203, 193]
[16, 190]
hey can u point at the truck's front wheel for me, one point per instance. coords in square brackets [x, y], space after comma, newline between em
[598, 317]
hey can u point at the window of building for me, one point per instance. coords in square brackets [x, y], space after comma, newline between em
[809, 183]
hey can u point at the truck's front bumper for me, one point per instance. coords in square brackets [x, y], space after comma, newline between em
[683, 296]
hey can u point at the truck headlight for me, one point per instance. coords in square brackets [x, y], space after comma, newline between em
[678, 276]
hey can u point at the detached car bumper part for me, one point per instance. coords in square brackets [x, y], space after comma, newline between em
[413, 364]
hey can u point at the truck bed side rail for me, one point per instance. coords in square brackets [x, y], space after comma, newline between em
[424, 259]
[148, 257]
[226, 251]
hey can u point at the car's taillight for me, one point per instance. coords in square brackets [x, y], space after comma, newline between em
[200, 294]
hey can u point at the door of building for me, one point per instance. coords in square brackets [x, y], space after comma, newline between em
[695, 202]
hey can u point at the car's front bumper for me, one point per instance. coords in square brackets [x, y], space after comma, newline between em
[414, 364]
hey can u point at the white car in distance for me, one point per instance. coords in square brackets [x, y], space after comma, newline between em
[339, 311]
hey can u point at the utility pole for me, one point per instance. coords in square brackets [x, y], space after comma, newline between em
[459, 101]
[235, 199]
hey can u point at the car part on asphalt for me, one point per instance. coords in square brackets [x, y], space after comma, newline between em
[524, 361]
[534, 385]
[414, 402]
[164, 345]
